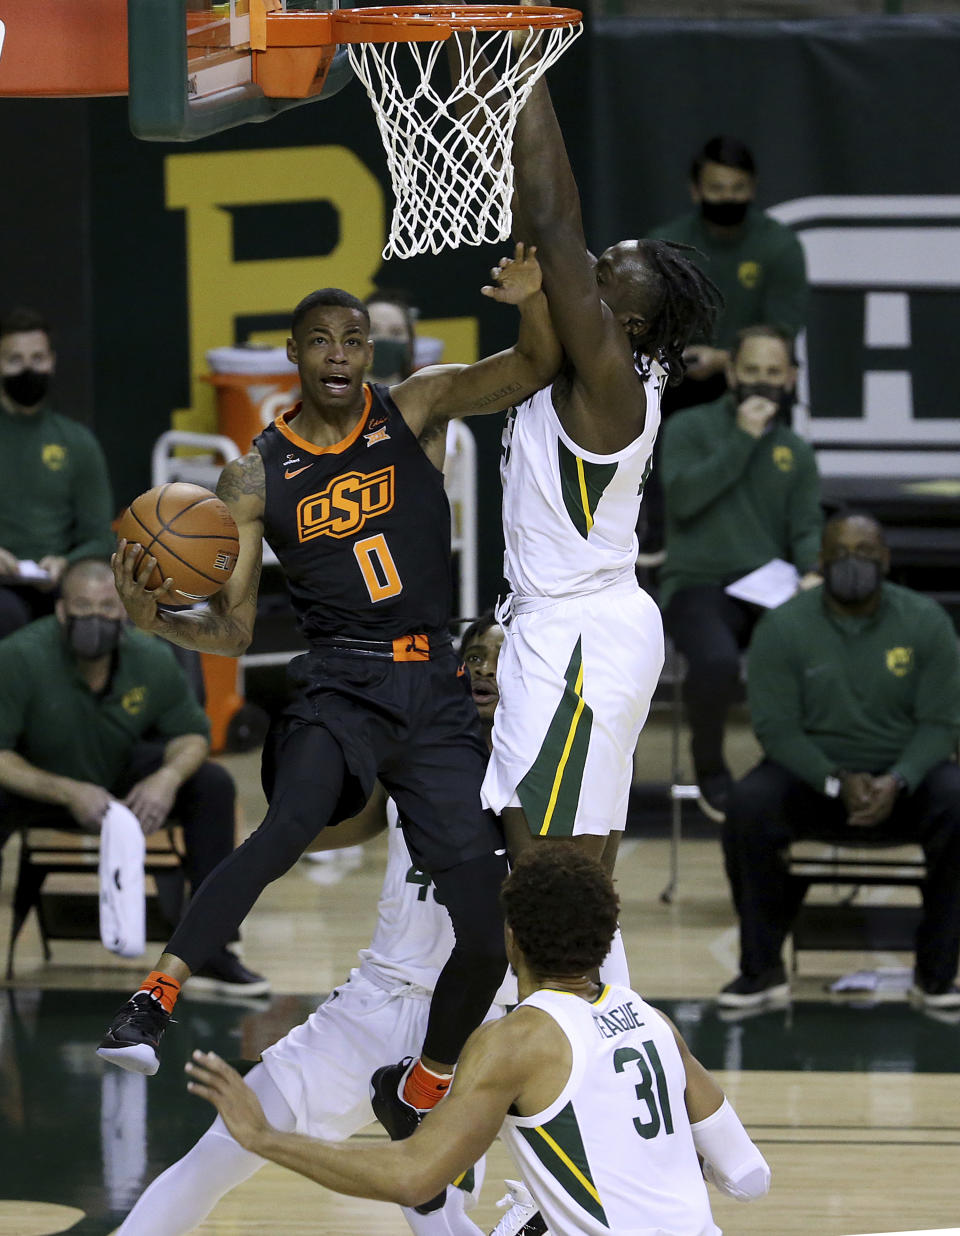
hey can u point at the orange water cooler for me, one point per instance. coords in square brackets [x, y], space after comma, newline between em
[253, 385]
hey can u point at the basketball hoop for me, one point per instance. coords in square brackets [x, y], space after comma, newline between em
[449, 146]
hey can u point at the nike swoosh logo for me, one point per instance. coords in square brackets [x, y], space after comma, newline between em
[288, 475]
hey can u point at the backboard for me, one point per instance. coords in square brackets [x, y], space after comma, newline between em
[189, 66]
[193, 72]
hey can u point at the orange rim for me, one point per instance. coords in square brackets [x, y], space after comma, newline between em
[424, 17]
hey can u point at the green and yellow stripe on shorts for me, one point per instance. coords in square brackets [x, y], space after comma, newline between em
[558, 1145]
[550, 791]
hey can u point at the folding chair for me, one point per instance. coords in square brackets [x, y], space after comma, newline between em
[74, 913]
[847, 924]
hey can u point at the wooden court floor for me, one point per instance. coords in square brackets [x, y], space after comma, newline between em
[855, 1103]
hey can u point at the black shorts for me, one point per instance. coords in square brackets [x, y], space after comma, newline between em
[412, 725]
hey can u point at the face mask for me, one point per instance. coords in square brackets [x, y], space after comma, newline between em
[852, 579]
[390, 356]
[779, 395]
[92, 636]
[724, 214]
[27, 387]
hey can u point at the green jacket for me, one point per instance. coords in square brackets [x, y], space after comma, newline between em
[50, 716]
[54, 490]
[733, 501]
[878, 694]
[761, 272]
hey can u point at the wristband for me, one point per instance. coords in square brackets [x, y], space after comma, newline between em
[833, 783]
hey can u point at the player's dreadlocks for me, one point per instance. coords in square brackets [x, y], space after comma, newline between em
[686, 307]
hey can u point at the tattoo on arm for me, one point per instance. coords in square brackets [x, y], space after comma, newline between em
[210, 630]
[242, 477]
[202, 631]
[255, 585]
[495, 396]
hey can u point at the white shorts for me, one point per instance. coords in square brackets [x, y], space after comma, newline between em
[576, 679]
[323, 1066]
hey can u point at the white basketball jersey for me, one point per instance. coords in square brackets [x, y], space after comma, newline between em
[569, 516]
[613, 1155]
[413, 937]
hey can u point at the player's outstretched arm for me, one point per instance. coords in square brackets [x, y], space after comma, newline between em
[225, 626]
[548, 212]
[449, 1141]
[432, 396]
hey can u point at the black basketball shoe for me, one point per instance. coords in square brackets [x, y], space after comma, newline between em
[397, 1116]
[224, 974]
[133, 1040]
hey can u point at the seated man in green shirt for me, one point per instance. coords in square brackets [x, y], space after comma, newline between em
[81, 696]
[741, 488]
[55, 500]
[854, 692]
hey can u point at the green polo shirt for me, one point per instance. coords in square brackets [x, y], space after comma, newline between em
[878, 694]
[761, 272]
[50, 716]
[733, 501]
[54, 490]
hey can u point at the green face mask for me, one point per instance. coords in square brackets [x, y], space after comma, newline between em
[390, 356]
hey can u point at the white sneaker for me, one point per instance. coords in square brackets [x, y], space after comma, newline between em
[328, 867]
[351, 857]
[328, 857]
[522, 1210]
[949, 998]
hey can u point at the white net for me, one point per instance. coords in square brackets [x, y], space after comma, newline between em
[449, 146]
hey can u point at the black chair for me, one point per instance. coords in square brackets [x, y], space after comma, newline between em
[848, 924]
[74, 913]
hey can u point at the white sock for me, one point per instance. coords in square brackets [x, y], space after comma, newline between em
[614, 968]
[182, 1197]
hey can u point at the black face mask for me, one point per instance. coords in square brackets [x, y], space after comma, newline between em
[853, 579]
[783, 398]
[724, 214]
[390, 356]
[26, 388]
[92, 635]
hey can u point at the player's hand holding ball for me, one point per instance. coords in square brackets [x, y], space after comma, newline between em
[177, 544]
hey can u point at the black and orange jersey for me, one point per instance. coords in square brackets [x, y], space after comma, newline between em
[361, 529]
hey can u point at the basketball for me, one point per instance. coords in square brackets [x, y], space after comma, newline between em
[191, 534]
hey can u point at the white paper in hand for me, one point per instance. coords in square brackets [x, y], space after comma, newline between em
[123, 907]
[770, 585]
[32, 571]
